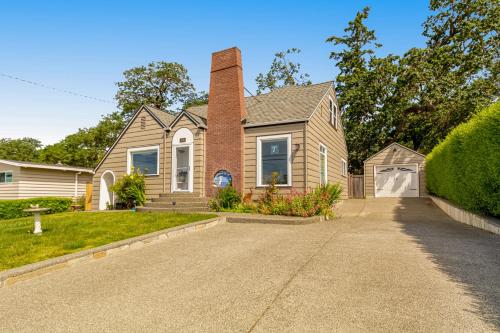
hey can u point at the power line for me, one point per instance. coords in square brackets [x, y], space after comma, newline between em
[38, 84]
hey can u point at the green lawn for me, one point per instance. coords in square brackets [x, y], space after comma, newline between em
[72, 232]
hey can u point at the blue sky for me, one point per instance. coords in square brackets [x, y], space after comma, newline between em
[85, 46]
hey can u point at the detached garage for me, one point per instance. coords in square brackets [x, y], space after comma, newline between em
[395, 171]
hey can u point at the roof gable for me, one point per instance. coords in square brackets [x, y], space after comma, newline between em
[196, 120]
[389, 147]
[153, 112]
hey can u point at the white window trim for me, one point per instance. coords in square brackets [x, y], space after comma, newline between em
[132, 150]
[333, 111]
[7, 171]
[343, 171]
[326, 163]
[259, 158]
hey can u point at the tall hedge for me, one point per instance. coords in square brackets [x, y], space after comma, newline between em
[10, 209]
[465, 167]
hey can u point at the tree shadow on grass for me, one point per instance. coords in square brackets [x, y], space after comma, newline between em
[469, 256]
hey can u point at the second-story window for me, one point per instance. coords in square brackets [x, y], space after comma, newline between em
[333, 113]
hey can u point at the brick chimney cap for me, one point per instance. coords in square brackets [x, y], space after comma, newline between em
[226, 59]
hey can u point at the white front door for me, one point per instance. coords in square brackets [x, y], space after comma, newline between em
[183, 167]
[396, 180]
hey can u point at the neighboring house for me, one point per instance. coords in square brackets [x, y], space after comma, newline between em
[395, 171]
[294, 132]
[19, 180]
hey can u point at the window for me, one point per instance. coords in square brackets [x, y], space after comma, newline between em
[343, 168]
[144, 159]
[5, 177]
[333, 113]
[323, 161]
[274, 159]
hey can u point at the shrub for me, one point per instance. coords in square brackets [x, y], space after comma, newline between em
[226, 198]
[130, 190]
[10, 209]
[318, 202]
[465, 167]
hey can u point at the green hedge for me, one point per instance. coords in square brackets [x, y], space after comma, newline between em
[10, 209]
[465, 167]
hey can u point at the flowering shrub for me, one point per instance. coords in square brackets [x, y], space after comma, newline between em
[317, 202]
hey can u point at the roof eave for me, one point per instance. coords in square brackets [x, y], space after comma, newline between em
[291, 121]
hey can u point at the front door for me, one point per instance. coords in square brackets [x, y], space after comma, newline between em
[183, 168]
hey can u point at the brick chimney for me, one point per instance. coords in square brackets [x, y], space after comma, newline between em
[226, 109]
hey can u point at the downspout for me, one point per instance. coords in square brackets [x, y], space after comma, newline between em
[164, 160]
[76, 184]
[306, 187]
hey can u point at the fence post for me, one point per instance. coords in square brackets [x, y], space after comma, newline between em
[88, 197]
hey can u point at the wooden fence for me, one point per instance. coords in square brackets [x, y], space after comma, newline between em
[356, 186]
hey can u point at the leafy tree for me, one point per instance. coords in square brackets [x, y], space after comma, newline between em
[25, 149]
[452, 78]
[195, 99]
[364, 87]
[164, 85]
[283, 72]
[87, 146]
[418, 98]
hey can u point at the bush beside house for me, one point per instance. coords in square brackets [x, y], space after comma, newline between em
[130, 190]
[465, 167]
[317, 202]
[10, 209]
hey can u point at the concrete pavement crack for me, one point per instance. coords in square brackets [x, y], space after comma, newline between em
[289, 281]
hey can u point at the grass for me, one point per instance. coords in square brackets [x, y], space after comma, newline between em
[72, 232]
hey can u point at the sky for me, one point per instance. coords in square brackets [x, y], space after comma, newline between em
[84, 47]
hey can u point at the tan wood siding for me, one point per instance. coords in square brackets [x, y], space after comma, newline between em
[250, 158]
[320, 130]
[388, 157]
[116, 161]
[10, 191]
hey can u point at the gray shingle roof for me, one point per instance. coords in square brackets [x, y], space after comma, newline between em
[288, 104]
[165, 117]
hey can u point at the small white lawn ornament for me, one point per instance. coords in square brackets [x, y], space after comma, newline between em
[36, 210]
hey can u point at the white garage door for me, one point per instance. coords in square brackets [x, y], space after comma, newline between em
[396, 181]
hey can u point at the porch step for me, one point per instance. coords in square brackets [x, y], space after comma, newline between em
[181, 204]
[179, 199]
[171, 210]
[180, 195]
[176, 202]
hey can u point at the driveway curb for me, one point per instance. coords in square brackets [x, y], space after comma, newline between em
[27, 272]
[271, 219]
[482, 222]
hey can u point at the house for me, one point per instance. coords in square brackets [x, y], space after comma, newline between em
[19, 180]
[293, 132]
[395, 171]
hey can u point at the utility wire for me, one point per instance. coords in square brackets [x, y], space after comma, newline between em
[38, 84]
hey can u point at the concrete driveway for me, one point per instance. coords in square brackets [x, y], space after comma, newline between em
[387, 265]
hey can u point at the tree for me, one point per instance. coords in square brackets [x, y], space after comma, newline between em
[165, 85]
[87, 146]
[452, 78]
[364, 87]
[419, 98]
[25, 149]
[196, 99]
[283, 72]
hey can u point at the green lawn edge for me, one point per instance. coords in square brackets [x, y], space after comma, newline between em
[67, 233]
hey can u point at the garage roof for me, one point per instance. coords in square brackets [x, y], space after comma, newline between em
[389, 147]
